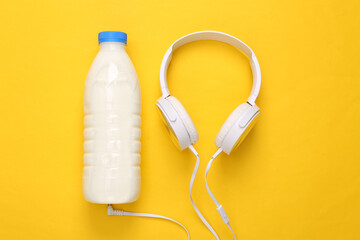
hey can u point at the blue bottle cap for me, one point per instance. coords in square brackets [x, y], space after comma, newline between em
[112, 36]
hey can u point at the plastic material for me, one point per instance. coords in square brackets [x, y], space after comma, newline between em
[233, 131]
[233, 117]
[178, 122]
[180, 126]
[186, 119]
[112, 36]
[217, 36]
[223, 214]
[112, 128]
[239, 130]
[174, 124]
[236, 127]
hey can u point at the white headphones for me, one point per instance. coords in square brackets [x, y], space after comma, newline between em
[240, 121]
[182, 129]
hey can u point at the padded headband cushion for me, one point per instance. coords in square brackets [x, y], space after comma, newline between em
[189, 125]
[230, 121]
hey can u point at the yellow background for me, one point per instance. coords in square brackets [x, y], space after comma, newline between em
[295, 177]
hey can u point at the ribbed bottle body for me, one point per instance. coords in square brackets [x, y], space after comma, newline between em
[112, 132]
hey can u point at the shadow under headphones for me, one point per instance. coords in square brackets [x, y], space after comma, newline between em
[236, 127]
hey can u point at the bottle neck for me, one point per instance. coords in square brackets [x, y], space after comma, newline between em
[112, 46]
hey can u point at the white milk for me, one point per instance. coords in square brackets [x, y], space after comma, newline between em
[112, 128]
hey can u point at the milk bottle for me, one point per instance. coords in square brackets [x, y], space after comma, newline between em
[111, 171]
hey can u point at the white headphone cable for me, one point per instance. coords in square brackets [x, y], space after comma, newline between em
[111, 211]
[191, 185]
[219, 208]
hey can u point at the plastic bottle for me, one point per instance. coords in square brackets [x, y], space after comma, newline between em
[112, 125]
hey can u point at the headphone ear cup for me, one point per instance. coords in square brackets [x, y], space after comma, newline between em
[230, 121]
[185, 117]
[236, 127]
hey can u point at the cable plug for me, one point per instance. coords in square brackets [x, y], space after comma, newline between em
[111, 211]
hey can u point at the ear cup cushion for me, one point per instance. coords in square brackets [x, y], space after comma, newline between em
[230, 121]
[185, 117]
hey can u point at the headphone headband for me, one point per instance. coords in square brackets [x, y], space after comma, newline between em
[217, 36]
